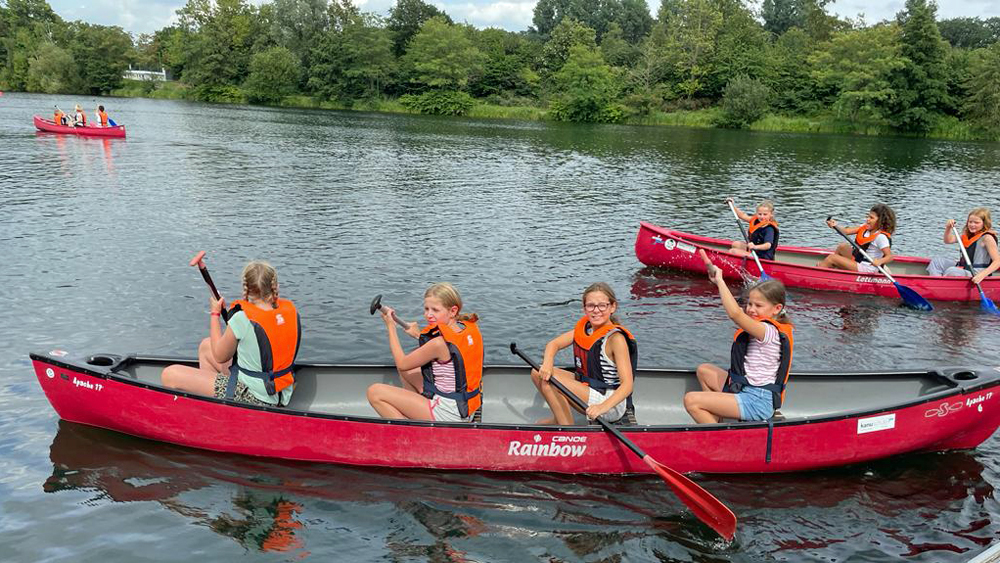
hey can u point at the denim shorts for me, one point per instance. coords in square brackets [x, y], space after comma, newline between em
[755, 403]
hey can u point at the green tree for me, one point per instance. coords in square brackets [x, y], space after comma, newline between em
[442, 56]
[506, 64]
[567, 34]
[634, 20]
[274, 74]
[616, 50]
[856, 69]
[788, 72]
[744, 101]
[101, 54]
[406, 19]
[52, 71]
[970, 33]
[693, 31]
[298, 24]
[586, 89]
[983, 103]
[922, 84]
[219, 38]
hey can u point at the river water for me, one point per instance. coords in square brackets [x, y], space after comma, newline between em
[521, 217]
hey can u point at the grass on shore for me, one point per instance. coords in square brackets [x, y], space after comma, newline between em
[947, 127]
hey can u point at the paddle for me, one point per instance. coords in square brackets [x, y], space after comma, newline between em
[706, 507]
[984, 301]
[746, 238]
[112, 123]
[199, 260]
[377, 304]
[909, 296]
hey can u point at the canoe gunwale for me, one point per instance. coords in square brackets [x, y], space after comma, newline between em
[944, 375]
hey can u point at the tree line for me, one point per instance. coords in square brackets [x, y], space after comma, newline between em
[582, 60]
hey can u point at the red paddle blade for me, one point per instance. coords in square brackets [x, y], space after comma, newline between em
[706, 507]
[196, 261]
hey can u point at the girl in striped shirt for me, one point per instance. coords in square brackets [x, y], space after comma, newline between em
[761, 357]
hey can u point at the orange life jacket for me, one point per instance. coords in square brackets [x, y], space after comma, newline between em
[865, 241]
[587, 354]
[278, 334]
[466, 350]
[104, 118]
[737, 370]
[57, 117]
[970, 246]
[758, 235]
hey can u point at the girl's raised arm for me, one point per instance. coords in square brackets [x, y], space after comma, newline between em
[949, 237]
[755, 328]
[558, 343]
[435, 349]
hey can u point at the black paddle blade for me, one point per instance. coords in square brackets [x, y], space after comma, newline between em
[913, 299]
[376, 304]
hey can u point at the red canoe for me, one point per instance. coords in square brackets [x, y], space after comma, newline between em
[796, 267]
[829, 419]
[50, 126]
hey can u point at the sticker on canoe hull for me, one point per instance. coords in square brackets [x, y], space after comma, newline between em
[669, 244]
[872, 279]
[558, 446]
[685, 247]
[876, 423]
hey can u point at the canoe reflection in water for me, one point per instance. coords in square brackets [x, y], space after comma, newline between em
[931, 504]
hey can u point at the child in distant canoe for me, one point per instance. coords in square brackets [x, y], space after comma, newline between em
[605, 356]
[58, 117]
[442, 378]
[81, 117]
[761, 357]
[263, 371]
[874, 236]
[980, 242]
[763, 231]
[102, 116]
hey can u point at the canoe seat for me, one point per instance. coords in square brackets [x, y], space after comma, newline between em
[477, 417]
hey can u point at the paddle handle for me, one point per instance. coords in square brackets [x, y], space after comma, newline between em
[579, 402]
[199, 261]
[965, 253]
[746, 236]
[862, 251]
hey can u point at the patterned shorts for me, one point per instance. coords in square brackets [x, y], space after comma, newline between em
[243, 394]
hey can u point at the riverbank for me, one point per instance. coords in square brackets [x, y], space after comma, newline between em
[946, 128]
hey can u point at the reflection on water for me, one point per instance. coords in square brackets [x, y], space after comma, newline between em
[922, 504]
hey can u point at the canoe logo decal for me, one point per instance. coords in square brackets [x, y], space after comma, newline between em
[50, 373]
[977, 401]
[876, 423]
[87, 384]
[944, 409]
[669, 244]
[656, 240]
[872, 279]
[557, 446]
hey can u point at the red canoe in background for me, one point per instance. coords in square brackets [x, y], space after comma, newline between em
[796, 267]
[50, 126]
[829, 419]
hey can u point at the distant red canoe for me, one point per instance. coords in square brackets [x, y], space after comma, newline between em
[796, 267]
[829, 419]
[50, 126]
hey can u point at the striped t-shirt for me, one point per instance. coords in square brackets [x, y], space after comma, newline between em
[608, 367]
[763, 357]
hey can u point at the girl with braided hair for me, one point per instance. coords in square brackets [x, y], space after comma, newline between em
[252, 361]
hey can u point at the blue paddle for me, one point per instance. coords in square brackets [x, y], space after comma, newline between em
[909, 296]
[746, 238]
[986, 303]
[112, 123]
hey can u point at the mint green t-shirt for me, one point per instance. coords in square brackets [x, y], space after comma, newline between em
[248, 351]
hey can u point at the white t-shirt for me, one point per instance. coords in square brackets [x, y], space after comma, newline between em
[875, 248]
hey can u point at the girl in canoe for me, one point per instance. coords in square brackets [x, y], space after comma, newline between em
[980, 242]
[252, 361]
[442, 378]
[605, 355]
[763, 231]
[761, 357]
[875, 236]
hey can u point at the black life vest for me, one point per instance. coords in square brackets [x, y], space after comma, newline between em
[737, 371]
[587, 354]
[758, 235]
[467, 357]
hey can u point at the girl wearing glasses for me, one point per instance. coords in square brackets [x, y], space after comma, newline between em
[442, 377]
[605, 355]
[761, 357]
